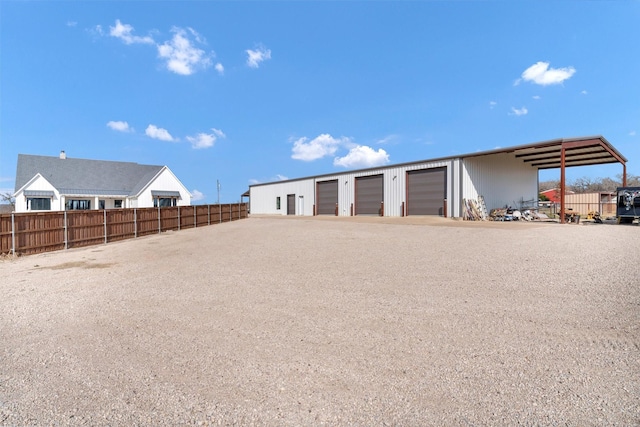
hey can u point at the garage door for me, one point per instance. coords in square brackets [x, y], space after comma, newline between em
[327, 197]
[369, 195]
[426, 191]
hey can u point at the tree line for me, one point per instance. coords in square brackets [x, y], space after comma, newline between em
[592, 185]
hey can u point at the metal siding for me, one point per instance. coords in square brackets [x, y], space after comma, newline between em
[501, 179]
[263, 197]
[426, 191]
[369, 195]
[583, 203]
[327, 197]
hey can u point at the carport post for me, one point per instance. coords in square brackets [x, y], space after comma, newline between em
[562, 183]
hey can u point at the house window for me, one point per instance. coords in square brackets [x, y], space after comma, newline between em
[101, 204]
[278, 203]
[117, 204]
[78, 205]
[38, 204]
[165, 202]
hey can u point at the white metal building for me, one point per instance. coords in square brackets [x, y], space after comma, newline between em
[504, 177]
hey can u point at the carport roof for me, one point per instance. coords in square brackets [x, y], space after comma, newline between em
[593, 150]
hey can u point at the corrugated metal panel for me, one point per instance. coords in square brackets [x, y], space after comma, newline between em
[583, 203]
[263, 198]
[369, 195]
[501, 179]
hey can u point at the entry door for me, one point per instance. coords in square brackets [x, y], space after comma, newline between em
[291, 204]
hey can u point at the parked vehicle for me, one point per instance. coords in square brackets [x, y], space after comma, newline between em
[628, 204]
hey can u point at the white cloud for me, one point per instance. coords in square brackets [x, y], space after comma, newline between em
[196, 195]
[255, 57]
[281, 177]
[584, 92]
[96, 31]
[632, 133]
[181, 55]
[253, 181]
[158, 133]
[389, 139]
[119, 126]
[323, 145]
[362, 156]
[519, 112]
[71, 23]
[205, 140]
[536, 97]
[124, 33]
[492, 104]
[219, 68]
[540, 73]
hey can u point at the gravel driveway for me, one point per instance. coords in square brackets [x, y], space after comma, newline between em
[328, 321]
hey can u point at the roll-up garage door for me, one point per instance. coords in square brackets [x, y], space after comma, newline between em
[291, 204]
[327, 197]
[369, 194]
[426, 191]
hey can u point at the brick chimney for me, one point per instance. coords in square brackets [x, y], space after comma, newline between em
[63, 155]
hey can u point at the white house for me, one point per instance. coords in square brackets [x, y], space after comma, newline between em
[45, 183]
[505, 176]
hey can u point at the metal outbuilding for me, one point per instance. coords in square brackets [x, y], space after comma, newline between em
[503, 177]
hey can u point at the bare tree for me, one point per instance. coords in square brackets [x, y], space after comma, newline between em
[548, 185]
[589, 185]
[7, 198]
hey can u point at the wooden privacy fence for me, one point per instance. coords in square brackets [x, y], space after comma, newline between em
[30, 233]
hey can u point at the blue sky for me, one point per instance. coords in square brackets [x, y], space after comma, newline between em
[248, 92]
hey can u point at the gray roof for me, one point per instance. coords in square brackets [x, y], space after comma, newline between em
[82, 176]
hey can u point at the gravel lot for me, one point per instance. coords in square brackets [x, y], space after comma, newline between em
[328, 321]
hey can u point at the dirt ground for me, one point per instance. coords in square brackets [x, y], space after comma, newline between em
[328, 321]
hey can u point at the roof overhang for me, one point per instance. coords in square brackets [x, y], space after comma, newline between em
[595, 150]
[157, 193]
[38, 193]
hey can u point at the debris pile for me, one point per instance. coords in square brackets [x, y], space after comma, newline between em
[476, 210]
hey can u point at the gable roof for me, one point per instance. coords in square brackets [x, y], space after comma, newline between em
[82, 176]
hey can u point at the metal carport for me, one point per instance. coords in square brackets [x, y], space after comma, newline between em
[564, 153]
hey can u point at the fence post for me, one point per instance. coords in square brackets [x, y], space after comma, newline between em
[220, 212]
[104, 211]
[66, 232]
[159, 224]
[13, 234]
[195, 218]
[208, 214]
[178, 218]
[135, 223]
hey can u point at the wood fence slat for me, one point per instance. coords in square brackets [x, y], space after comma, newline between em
[37, 232]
